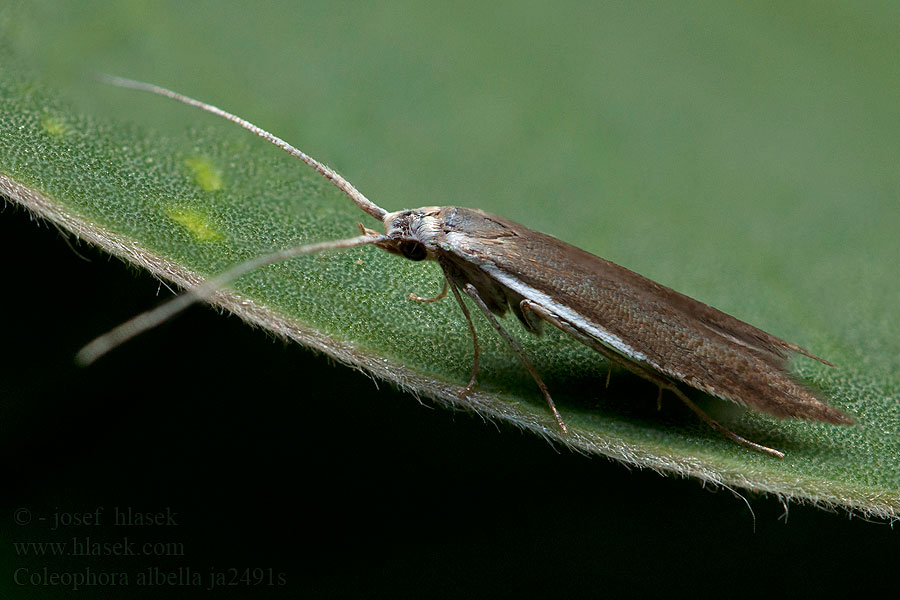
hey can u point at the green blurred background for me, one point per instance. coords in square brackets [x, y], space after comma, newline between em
[669, 138]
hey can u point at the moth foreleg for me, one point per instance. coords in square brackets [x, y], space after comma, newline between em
[470, 290]
[434, 299]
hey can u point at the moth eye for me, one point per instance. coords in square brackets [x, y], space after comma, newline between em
[413, 250]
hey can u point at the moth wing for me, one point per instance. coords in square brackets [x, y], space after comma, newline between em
[641, 320]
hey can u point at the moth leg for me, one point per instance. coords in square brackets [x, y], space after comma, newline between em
[435, 299]
[646, 373]
[473, 293]
[468, 317]
[724, 430]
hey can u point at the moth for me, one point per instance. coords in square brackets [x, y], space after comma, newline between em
[646, 328]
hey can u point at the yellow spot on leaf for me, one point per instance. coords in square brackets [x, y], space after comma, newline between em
[199, 224]
[54, 126]
[204, 173]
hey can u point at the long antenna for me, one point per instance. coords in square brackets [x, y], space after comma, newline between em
[167, 310]
[327, 172]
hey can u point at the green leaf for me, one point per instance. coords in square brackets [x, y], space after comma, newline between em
[747, 162]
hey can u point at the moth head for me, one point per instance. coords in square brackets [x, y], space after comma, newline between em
[411, 233]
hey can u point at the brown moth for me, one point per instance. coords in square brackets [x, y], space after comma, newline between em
[651, 330]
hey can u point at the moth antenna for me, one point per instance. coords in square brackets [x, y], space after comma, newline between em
[327, 172]
[151, 318]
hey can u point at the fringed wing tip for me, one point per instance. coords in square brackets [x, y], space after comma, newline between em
[808, 354]
[826, 413]
[813, 407]
[836, 417]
